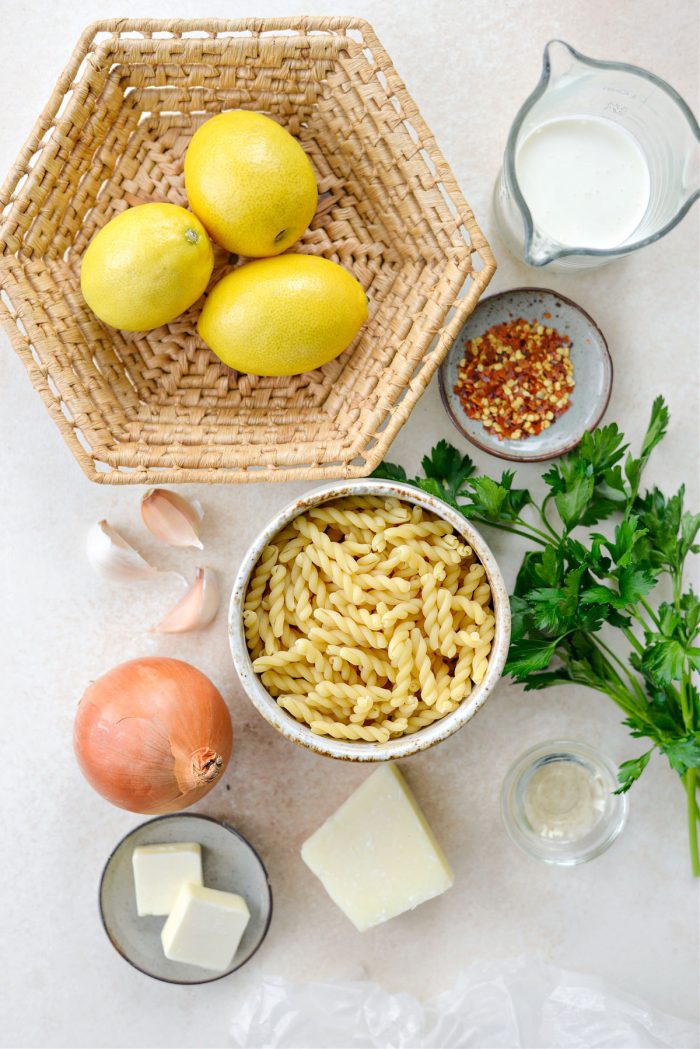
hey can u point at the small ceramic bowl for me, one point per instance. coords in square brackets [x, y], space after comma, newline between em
[590, 357]
[402, 746]
[229, 862]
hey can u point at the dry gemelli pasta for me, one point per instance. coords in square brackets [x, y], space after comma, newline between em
[368, 619]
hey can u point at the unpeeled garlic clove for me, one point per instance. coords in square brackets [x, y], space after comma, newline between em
[110, 555]
[196, 609]
[171, 518]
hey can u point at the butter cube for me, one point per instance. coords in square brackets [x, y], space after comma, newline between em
[160, 871]
[376, 856]
[205, 927]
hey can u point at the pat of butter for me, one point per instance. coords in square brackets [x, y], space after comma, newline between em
[205, 927]
[160, 871]
[376, 856]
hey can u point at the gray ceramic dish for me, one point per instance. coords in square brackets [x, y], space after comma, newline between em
[403, 746]
[593, 372]
[230, 863]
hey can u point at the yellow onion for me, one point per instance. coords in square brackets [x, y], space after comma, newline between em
[153, 735]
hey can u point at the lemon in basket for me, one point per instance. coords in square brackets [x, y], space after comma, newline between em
[146, 266]
[284, 315]
[250, 183]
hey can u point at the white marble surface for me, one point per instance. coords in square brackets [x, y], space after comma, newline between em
[630, 916]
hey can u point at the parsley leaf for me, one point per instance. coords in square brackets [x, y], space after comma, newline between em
[448, 467]
[528, 655]
[629, 771]
[390, 472]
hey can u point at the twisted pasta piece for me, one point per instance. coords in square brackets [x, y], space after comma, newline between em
[278, 684]
[404, 711]
[482, 594]
[461, 685]
[347, 519]
[346, 672]
[313, 580]
[308, 709]
[480, 660]
[361, 615]
[422, 718]
[429, 593]
[369, 733]
[401, 610]
[366, 661]
[293, 548]
[361, 709]
[321, 541]
[396, 727]
[356, 632]
[342, 691]
[475, 574]
[452, 578]
[277, 661]
[277, 578]
[251, 630]
[428, 687]
[401, 655]
[368, 561]
[270, 642]
[443, 703]
[313, 655]
[416, 530]
[260, 577]
[448, 640]
[335, 573]
[376, 581]
[471, 608]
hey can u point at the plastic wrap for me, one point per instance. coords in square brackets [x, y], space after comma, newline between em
[513, 1004]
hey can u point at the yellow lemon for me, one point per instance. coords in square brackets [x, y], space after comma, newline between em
[146, 266]
[250, 183]
[284, 315]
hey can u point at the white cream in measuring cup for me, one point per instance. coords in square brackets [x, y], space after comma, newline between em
[585, 181]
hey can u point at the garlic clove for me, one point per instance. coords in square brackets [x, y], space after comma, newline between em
[110, 555]
[196, 609]
[171, 518]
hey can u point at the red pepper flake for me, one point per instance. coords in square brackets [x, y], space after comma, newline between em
[517, 378]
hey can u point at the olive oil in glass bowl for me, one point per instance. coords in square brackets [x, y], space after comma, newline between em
[558, 803]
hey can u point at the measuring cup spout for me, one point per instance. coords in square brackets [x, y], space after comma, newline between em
[559, 60]
[540, 249]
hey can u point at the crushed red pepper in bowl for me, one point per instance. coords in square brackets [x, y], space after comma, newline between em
[517, 378]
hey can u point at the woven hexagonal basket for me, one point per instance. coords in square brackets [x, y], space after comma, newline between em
[159, 406]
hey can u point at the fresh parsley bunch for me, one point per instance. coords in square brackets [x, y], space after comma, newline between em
[574, 587]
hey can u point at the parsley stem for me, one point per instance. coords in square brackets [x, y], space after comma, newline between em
[689, 780]
[532, 535]
[536, 531]
[636, 614]
[685, 710]
[543, 517]
[636, 687]
[633, 640]
[651, 613]
[677, 577]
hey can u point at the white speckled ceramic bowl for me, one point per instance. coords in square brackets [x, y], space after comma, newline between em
[590, 357]
[402, 746]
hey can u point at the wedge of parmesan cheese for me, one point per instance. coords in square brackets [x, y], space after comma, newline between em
[376, 856]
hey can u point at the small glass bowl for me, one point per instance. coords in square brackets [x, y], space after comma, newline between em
[558, 805]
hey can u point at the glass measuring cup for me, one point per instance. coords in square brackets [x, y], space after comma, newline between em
[646, 107]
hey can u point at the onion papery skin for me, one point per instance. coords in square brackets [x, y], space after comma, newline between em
[153, 735]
